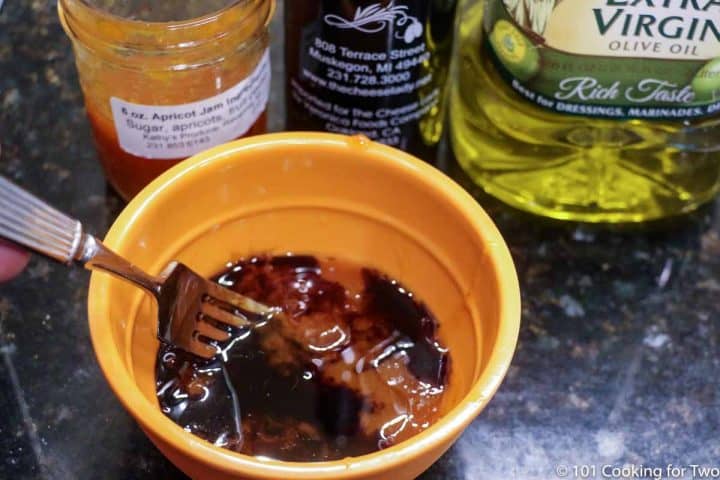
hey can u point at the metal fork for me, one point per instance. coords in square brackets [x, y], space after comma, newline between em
[192, 311]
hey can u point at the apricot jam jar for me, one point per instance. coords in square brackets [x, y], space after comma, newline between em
[164, 80]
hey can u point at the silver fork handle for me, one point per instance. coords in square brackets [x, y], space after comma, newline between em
[94, 255]
[32, 223]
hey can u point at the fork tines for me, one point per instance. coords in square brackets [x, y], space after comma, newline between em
[239, 302]
[221, 306]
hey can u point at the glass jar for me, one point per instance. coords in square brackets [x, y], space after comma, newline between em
[164, 80]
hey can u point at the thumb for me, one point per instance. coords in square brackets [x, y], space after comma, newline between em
[12, 260]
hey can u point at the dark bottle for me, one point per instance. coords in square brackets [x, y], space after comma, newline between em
[373, 67]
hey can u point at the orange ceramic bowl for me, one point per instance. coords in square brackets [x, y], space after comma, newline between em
[319, 194]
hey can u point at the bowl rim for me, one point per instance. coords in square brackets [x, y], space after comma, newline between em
[438, 436]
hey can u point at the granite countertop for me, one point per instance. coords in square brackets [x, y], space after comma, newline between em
[617, 361]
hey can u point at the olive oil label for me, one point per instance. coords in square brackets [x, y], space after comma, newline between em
[368, 67]
[653, 59]
[178, 131]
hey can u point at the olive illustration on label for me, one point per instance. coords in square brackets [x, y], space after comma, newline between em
[514, 50]
[706, 83]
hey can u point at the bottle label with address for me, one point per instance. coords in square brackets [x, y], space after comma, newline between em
[368, 67]
[179, 131]
[648, 59]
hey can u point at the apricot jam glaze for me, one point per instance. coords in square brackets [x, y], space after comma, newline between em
[353, 366]
[164, 80]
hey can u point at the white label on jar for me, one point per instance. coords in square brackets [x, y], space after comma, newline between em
[179, 131]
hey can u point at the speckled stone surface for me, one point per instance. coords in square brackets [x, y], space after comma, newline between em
[617, 362]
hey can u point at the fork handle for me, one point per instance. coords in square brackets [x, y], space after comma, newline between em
[94, 255]
[32, 223]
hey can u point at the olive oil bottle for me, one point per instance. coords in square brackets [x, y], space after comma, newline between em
[590, 110]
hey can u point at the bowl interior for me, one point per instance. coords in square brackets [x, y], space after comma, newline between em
[342, 197]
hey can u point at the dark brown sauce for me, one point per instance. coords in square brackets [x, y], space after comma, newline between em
[353, 367]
